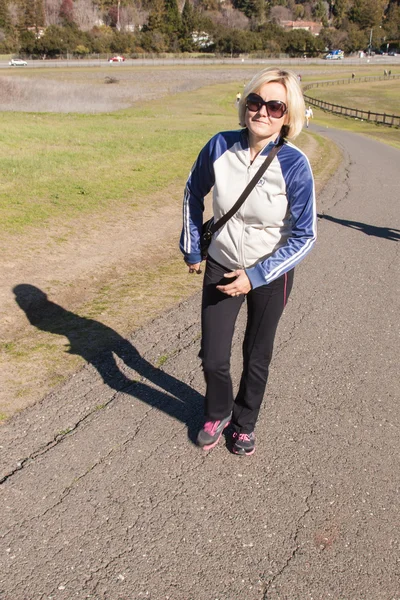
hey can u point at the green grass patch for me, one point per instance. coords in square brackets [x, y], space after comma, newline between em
[324, 161]
[375, 96]
[60, 166]
[162, 360]
[11, 349]
[337, 72]
[381, 133]
[378, 96]
[63, 165]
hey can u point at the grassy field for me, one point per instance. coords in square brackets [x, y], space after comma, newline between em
[375, 96]
[58, 166]
[60, 169]
[62, 165]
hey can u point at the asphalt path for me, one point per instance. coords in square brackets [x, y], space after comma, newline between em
[105, 496]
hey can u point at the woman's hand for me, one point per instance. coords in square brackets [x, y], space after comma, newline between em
[241, 285]
[194, 268]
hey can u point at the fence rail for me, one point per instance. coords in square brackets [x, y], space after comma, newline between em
[354, 113]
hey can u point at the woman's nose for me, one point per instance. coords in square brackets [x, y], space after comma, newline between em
[263, 110]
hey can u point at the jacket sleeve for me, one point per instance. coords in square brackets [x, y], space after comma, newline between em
[201, 180]
[301, 200]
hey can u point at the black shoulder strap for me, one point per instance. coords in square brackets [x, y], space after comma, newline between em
[218, 224]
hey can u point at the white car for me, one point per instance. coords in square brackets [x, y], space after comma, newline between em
[17, 62]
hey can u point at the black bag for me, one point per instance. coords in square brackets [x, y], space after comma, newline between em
[206, 237]
[210, 227]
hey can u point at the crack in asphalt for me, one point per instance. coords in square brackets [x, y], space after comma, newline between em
[288, 340]
[343, 190]
[60, 437]
[67, 490]
[296, 548]
[102, 569]
[62, 496]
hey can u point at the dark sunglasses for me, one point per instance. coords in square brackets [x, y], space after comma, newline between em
[275, 108]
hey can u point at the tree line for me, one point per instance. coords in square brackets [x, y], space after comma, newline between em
[52, 28]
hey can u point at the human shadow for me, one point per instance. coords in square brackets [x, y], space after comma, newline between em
[388, 233]
[99, 345]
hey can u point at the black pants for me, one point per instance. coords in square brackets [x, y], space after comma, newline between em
[265, 305]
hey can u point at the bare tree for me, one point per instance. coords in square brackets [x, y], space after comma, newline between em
[308, 16]
[230, 17]
[133, 17]
[280, 13]
[13, 10]
[52, 11]
[127, 18]
[86, 14]
[141, 17]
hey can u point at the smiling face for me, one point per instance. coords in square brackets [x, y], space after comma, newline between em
[263, 128]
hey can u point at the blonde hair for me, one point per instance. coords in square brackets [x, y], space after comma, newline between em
[295, 101]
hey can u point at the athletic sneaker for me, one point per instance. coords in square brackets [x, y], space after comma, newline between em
[244, 443]
[208, 437]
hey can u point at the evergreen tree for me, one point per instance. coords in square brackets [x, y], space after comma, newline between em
[5, 19]
[40, 16]
[251, 8]
[188, 18]
[355, 40]
[339, 9]
[392, 23]
[32, 14]
[319, 12]
[156, 17]
[299, 41]
[188, 27]
[367, 13]
[172, 23]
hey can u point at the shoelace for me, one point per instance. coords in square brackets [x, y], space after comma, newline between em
[244, 437]
[211, 427]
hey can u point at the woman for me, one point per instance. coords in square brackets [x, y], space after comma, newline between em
[254, 254]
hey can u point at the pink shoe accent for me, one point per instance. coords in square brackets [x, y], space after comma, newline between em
[242, 437]
[211, 427]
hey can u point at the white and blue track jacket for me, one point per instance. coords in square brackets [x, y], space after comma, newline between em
[276, 225]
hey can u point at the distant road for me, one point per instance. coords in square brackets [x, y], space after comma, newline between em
[375, 60]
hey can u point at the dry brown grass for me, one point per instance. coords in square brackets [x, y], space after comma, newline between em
[41, 95]
[85, 91]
